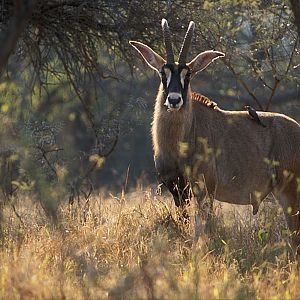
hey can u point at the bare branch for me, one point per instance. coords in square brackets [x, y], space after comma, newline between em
[243, 83]
[274, 88]
[292, 56]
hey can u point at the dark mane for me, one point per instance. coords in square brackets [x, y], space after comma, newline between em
[204, 100]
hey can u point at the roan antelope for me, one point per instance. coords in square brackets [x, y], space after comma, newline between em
[194, 141]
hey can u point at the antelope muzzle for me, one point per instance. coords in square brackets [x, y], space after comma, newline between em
[174, 101]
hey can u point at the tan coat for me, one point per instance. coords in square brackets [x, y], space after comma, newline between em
[239, 161]
[224, 154]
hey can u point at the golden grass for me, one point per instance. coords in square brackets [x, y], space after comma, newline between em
[136, 248]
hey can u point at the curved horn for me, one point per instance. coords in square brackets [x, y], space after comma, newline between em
[186, 44]
[167, 40]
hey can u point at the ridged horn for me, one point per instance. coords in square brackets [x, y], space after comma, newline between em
[186, 44]
[167, 40]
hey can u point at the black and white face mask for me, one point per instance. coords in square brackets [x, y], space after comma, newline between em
[175, 80]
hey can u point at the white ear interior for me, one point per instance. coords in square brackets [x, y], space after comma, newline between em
[154, 60]
[203, 60]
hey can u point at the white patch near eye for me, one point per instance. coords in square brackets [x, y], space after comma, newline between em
[182, 77]
[168, 75]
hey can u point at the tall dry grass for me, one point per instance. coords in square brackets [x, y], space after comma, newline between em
[137, 248]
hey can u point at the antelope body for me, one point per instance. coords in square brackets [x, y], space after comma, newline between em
[194, 141]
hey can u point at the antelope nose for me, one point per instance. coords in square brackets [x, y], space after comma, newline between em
[174, 100]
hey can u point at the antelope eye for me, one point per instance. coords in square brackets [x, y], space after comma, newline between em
[168, 74]
[183, 74]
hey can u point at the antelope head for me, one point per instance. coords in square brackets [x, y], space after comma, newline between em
[175, 76]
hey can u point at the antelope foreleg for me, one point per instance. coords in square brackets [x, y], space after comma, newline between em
[181, 193]
[180, 190]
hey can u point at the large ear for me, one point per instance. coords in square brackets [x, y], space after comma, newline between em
[154, 60]
[203, 60]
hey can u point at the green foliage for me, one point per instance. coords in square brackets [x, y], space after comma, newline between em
[262, 235]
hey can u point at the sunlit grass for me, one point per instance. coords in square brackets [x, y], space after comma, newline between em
[137, 247]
